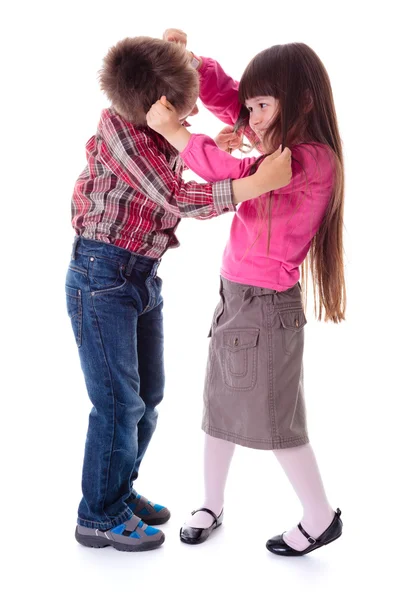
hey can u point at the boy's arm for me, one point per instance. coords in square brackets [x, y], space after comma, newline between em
[134, 157]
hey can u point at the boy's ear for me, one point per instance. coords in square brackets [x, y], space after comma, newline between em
[195, 111]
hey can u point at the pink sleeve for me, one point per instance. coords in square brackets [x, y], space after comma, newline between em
[218, 91]
[219, 94]
[203, 156]
[312, 165]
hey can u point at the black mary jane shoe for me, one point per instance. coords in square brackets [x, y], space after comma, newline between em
[277, 545]
[198, 535]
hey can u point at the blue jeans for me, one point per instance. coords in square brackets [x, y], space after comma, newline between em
[115, 305]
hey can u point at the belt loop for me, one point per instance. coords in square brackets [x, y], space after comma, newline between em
[154, 268]
[74, 245]
[248, 293]
[131, 264]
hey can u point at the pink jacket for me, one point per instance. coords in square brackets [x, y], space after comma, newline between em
[297, 209]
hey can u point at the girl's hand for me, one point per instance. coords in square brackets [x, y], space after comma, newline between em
[163, 118]
[275, 170]
[175, 35]
[178, 36]
[228, 140]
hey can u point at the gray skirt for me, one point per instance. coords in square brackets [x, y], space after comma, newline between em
[253, 392]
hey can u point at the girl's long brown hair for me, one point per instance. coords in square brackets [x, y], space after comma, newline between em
[296, 77]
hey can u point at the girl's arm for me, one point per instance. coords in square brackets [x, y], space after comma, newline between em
[310, 163]
[218, 91]
[202, 155]
[220, 95]
[199, 152]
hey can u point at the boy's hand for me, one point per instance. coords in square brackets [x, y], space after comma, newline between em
[275, 170]
[228, 140]
[163, 118]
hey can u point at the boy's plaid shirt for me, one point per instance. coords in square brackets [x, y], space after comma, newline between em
[132, 194]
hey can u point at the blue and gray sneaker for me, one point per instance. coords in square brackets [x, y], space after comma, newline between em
[131, 536]
[151, 514]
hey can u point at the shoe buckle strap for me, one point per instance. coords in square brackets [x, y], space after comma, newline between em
[207, 510]
[310, 539]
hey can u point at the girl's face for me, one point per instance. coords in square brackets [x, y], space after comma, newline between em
[262, 110]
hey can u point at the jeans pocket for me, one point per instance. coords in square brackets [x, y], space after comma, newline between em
[239, 358]
[74, 308]
[292, 321]
[104, 274]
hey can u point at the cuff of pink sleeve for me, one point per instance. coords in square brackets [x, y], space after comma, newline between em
[204, 64]
[223, 197]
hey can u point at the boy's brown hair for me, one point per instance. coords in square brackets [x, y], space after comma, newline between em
[137, 71]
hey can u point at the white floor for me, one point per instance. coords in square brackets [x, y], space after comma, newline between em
[44, 561]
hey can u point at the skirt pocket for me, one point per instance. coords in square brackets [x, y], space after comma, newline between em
[292, 321]
[239, 358]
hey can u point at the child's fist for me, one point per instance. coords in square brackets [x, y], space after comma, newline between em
[175, 35]
[277, 168]
[228, 140]
[163, 118]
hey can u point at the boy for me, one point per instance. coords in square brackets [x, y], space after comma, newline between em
[126, 206]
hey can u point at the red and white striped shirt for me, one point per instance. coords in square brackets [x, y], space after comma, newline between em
[131, 193]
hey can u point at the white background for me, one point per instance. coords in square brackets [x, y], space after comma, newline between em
[51, 102]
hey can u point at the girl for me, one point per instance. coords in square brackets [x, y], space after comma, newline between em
[254, 383]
